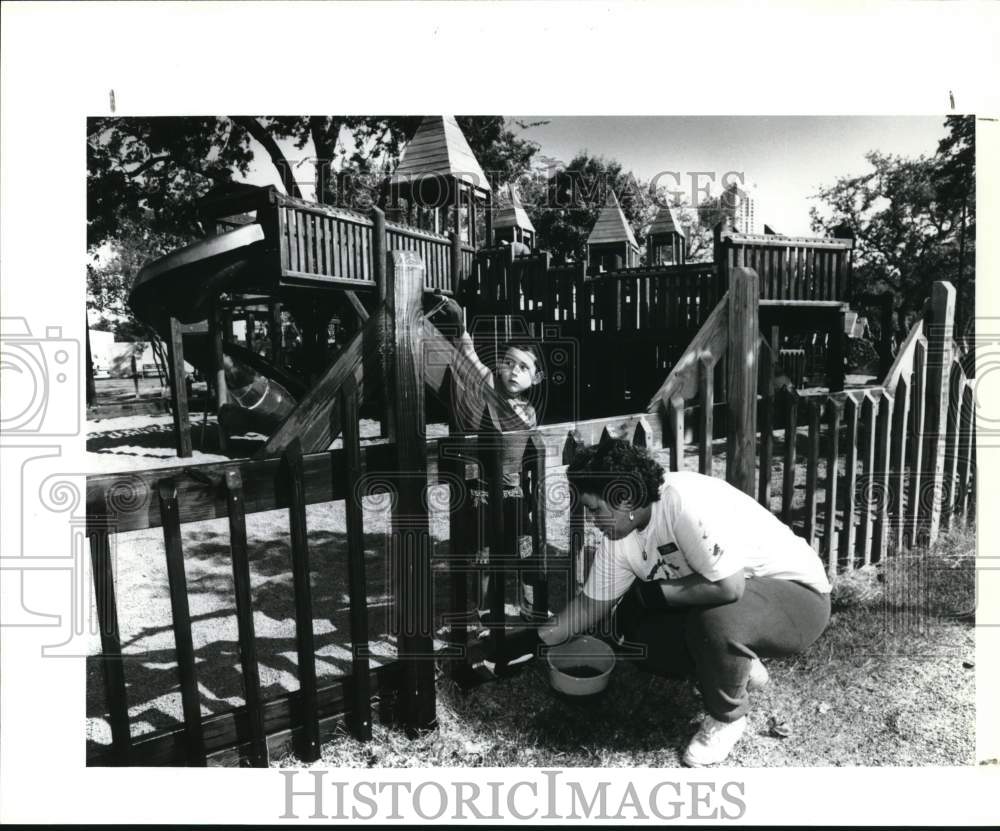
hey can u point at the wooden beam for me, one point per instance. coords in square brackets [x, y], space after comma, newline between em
[180, 615]
[410, 542]
[357, 305]
[311, 420]
[743, 337]
[939, 354]
[178, 389]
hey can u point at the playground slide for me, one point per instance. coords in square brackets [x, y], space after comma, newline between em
[183, 285]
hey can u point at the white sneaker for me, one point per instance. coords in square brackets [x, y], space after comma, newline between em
[713, 741]
[758, 676]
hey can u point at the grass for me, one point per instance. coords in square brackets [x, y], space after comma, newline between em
[891, 682]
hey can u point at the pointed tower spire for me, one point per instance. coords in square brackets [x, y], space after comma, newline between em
[611, 243]
[665, 240]
[439, 148]
[513, 223]
[438, 174]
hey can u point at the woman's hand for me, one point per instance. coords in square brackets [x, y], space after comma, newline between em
[581, 614]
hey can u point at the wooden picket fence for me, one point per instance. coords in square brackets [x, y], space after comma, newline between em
[897, 459]
[906, 469]
[171, 498]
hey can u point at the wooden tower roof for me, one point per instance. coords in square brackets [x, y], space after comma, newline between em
[512, 213]
[666, 222]
[611, 225]
[439, 148]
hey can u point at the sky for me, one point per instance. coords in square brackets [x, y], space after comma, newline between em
[788, 157]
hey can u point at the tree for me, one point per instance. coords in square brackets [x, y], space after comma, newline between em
[153, 169]
[913, 221]
[563, 202]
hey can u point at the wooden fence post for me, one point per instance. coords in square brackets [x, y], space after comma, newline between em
[456, 263]
[741, 389]
[380, 261]
[218, 372]
[939, 353]
[178, 390]
[411, 532]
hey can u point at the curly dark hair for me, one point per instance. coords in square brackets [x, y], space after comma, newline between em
[617, 472]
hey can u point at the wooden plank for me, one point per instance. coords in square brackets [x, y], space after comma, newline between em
[353, 473]
[791, 440]
[535, 460]
[300, 248]
[365, 246]
[706, 399]
[181, 623]
[813, 414]
[454, 452]
[835, 410]
[881, 483]
[939, 354]
[956, 379]
[99, 530]
[766, 386]
[903, 362]
[216, 345]
[897, 461]
[178, 388]
[309, 243]
[492, 449]
[915, 529]
[305, 642]
[675, 432]
[573, 445]
[863, 543]
[741, 386]
[244, 619]
[337, 267]
[846, 541]
[283, 238]
[966, 450]
[411, 533]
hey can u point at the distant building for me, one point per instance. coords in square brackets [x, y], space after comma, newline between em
[743, 205]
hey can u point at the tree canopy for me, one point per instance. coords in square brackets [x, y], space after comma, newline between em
[913, 220]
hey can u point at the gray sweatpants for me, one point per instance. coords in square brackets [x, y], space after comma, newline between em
[716, 644]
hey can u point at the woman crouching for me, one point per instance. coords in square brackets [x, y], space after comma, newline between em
[717, 581]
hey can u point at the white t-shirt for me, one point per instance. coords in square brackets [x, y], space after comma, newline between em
[703, 524]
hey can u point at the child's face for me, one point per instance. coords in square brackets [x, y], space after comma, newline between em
[517, 371]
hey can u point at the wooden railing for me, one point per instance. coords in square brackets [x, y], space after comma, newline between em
[325, 245]
[789, 268]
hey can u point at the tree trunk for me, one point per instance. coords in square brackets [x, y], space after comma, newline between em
[91, 387]
[321, 133]
[260, 133]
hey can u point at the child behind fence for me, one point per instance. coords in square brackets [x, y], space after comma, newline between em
[518, 374]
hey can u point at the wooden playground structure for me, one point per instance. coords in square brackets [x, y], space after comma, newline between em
[893, 462]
